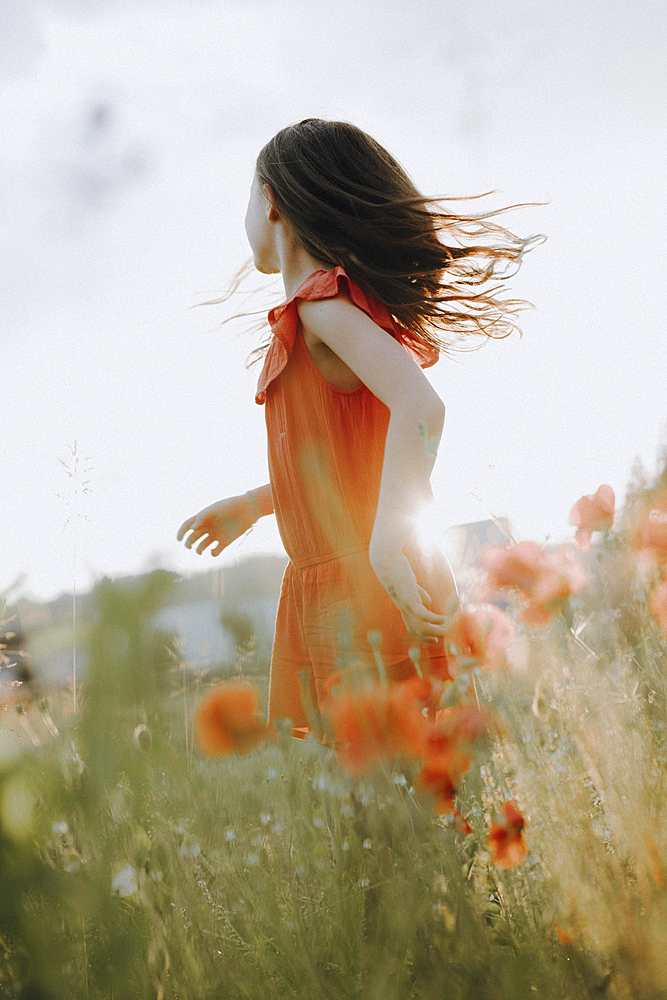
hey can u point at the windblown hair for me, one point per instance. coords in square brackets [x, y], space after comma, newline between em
[349, 202]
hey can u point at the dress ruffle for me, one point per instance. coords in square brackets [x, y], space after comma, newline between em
[284, 322]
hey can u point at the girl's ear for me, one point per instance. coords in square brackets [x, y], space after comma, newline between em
[271, 210]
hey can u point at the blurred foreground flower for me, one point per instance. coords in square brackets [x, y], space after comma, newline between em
[426, 688]
[648, 535]
[125, 882]
[226, 721]
[449, 744]
[376, 724]
[521, 565]
[567, 578]
[658, 603]
[506, 842]
[546, 580]
[482, 632]
[593, 512]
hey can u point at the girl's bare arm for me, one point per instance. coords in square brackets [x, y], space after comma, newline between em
[226, 520]
[415, 426]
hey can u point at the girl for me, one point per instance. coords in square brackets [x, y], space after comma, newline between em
[376, 283]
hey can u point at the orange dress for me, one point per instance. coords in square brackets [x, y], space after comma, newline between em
[325, 451]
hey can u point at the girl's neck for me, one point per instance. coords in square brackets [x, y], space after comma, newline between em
[296, 264]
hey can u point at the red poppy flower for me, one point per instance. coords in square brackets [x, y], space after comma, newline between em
[593, 512]
[374, 725]
[427, 690]
[463, 724]
[449, 745]
[226, 721]
[506, 842]
[441, 776]
[460, 823]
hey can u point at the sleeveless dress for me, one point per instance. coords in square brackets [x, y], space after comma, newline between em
[325, 452]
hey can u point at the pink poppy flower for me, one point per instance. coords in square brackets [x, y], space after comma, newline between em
[521, 565]
[566, 577]
[483, 632]
[546, 580]
[648, 536]
[593, 512]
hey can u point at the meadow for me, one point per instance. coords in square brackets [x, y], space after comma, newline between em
[133, 864]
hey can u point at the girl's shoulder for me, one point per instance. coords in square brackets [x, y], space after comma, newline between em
[284, 320]
[327, 285]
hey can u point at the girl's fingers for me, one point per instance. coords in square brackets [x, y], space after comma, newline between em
[424, 635]
[432, 618]
[208, 535]
[425, 596]
[425, 616]
[195, 535]
[185, 527]
[425, 625]
[429, 637]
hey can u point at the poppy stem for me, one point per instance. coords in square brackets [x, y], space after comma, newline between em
[375, 638]
[474, 688]
[414, 656]
[315, 723]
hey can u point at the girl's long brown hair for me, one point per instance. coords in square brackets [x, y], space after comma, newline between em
[349, 202]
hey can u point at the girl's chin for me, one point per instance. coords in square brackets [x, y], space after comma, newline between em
[266, 268]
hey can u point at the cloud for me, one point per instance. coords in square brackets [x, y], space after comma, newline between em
[22, 42]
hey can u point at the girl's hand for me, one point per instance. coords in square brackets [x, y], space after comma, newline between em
[220, 523]
[396, 576]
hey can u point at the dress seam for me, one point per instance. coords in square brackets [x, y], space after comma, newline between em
[327, 557]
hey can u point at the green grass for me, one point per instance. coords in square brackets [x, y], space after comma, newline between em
[275, 876]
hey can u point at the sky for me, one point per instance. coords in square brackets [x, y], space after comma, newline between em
[129, 133]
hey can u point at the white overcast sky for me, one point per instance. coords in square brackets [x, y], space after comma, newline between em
[128, 132]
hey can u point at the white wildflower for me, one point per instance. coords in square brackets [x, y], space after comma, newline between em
[189, 848]
[125, 882]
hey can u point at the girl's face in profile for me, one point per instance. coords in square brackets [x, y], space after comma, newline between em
[260, 230]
